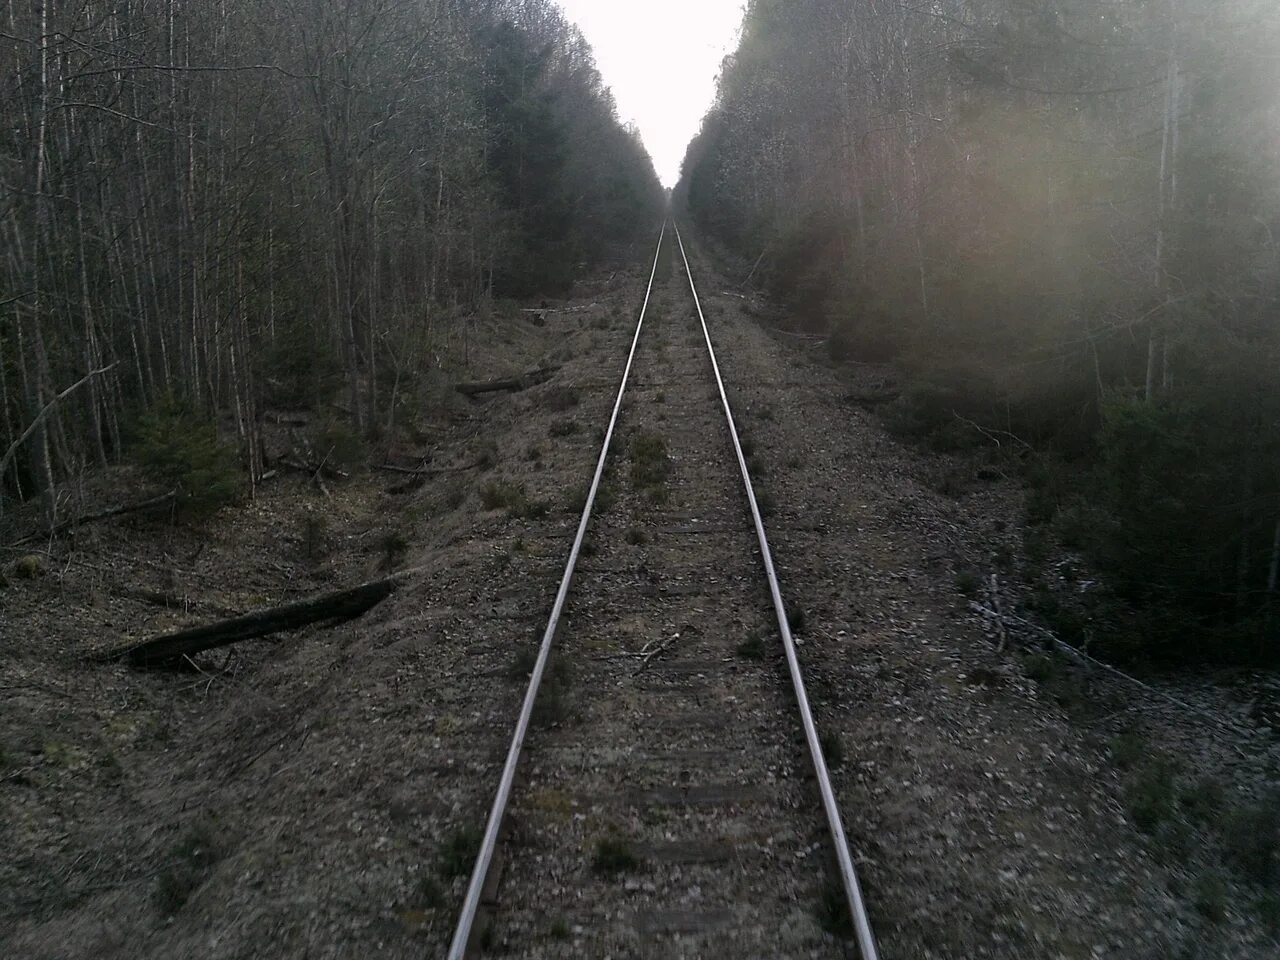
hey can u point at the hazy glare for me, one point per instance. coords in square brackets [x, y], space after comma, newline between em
[660, 58]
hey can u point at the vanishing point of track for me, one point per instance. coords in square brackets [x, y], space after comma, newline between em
[737, 855]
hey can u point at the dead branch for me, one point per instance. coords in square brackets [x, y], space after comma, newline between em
[154, 503]
[993, 435]
[1080, 656]
[44, 414]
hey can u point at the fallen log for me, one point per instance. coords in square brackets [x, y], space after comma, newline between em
[425, 471]
[507, 384]
[335, 607]
[153, 503]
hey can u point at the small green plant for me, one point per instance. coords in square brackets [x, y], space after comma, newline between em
[1210, 897]
[1150, 797]
[533, 453]
[650, 465]
[458, 852]
[968, 583]
[614, 856]
[832, 748]
[187, 867]
[28, 567]
[1128, 749]
[796, 619]
[575, 498]
[315, 538]
[392, 545]
[833, 910]
[501, 495]
[636, 536]
[1202, 802]
[564, 427]
[1251, 841]
[428, 893]
[522, 663]
[1267, 907]
[1040, 667]
[456, 496]
[559, 929]
[487, 458]
[752, 648]
[504, 495]
[551, 707]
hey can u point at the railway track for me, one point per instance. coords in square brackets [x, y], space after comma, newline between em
[665, 792]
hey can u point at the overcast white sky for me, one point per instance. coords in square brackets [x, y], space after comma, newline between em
[660, 58]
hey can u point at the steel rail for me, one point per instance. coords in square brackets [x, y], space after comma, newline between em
[484, 859]
[849, 877]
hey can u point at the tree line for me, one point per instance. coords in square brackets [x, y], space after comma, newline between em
[1061, 219]
[211, 207]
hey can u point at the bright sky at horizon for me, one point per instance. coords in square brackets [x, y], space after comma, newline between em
[660, 59]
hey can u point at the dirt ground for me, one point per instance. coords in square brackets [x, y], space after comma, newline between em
[317, 795]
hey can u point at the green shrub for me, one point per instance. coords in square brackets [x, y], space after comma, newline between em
[1128, 749]
[1251, 841]
[1151, 796]
[968, 583]
[1210, 897]
[459, 850]
[563, 428]
[752, 648]
[300, 368]
[186, 868]
[833, 910]
[178, 448]
[614, 856]
[832, 748]
[650, 465]
[28, 567]
[505, 495]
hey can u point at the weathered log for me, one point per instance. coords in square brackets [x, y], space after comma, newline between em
[335, 607]
[425, 471]
[507, 384]
[119, 511]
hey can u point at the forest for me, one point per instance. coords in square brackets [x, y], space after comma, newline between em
[1060, 220]
[208, 209]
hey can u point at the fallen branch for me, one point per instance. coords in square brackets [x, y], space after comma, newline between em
[507, 384]
[995, 603]
[653, 649]
[161, 501]
[1080, 656]
[333, 607]
[313, 469]
[993, 435]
